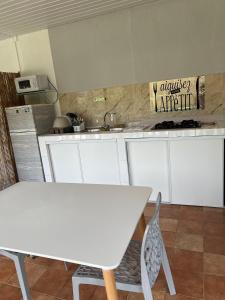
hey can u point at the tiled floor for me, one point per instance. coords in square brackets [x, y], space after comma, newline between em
[195, 241]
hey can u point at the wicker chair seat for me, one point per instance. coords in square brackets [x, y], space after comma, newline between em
[128, 272]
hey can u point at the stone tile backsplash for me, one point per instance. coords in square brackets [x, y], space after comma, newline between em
[131, 103]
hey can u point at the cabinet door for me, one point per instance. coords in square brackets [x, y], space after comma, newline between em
[197, 171]
[99, 160]
[65, 162]
[148, 166]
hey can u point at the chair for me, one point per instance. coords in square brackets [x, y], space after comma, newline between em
[140, 265]
[18, 259]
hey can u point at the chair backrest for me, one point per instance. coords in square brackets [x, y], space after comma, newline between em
[152, 248]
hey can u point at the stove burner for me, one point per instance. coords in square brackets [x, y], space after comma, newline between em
[176, 125]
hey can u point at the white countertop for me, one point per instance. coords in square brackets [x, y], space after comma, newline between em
[212, 130]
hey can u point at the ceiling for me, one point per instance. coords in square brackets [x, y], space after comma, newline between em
[23, 16]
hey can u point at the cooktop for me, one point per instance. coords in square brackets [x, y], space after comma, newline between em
[176, 125]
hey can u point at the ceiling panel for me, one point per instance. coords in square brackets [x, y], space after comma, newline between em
[23, 16]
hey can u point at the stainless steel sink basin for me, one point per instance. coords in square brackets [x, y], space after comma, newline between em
[102, 129]
[116, 129]
[94, 130]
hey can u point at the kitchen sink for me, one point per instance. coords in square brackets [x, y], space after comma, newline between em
[102, 129]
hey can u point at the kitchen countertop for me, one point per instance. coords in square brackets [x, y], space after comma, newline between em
[138, 132]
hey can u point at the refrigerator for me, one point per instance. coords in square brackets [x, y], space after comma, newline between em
[25, 124]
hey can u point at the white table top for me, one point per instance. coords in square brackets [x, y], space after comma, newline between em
[79, 223]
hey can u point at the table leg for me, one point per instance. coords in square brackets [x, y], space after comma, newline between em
[19, 263]
[141, 227]
[110, 285]
[20, 269]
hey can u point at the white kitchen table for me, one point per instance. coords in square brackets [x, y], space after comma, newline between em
[79, 223]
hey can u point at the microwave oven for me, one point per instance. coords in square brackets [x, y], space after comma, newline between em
[32, 83]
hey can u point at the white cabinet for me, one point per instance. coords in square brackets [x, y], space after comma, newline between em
[148, 166]
[65, 162]
[197, 171]
[99, 160]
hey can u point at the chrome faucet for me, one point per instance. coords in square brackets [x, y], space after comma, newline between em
[112, 119]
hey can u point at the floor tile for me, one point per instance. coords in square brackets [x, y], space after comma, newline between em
[214, 209]
[7, 269]
[100, 294]
[157, 295]
[214, 244]
[192, 242]
[39, 261]
[170, 211]
[215, 229]
[87, 291]
[135, 296]
[214, 264]
[40, 296]
[51, 282]
[180, 297]
[167, 224]
[214, 287]
[191, 213]
[66, 291]
[188, 283]
[149, 211]
[213, 217]
[186, 226]
[169, 238]
[160, 284]
[185, 260]
[33, 272]
[8, 292]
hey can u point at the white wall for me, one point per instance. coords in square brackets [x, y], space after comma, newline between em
[160, 40]
[29, 54]
[8, 56]
[35, 54]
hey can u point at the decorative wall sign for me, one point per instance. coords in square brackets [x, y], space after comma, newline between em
[177, 94]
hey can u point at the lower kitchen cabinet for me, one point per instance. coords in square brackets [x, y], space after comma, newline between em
[197, 171]
[148, 166]
[65, 162]
[187, 171]
[99, 161]
[88, 162]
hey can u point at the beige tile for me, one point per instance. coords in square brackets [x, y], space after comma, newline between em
[192, 242]
[169, 238]
[186, 226]
[214, 264]
[167, 224]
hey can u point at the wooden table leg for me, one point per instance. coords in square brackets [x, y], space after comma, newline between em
[141, 227]
[110, 285]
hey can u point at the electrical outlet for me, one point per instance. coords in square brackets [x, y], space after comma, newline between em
[99, 99]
